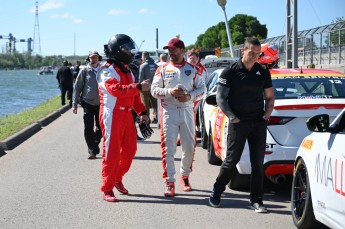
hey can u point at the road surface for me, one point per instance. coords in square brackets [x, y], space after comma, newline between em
[48, 182]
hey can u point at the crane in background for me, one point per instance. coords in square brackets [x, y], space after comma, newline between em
[11, 44]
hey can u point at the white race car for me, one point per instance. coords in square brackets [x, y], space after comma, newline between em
[299, 94]
[318, 187]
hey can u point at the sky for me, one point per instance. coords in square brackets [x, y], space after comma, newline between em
[74, 27]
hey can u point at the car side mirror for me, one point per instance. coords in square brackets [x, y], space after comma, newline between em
[318, 123]
[211, 99]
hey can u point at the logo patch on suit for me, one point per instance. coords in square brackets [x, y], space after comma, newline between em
[188, 72]
[169, 74]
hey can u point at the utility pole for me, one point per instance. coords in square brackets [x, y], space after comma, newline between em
[291, 35]
[37, 40]
[222, 4]
[157, 39]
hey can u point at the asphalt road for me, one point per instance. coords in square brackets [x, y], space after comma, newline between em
[48, 182]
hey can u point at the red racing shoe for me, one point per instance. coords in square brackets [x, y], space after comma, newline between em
[185, 184]
[170, 189]
[119, 186]
[109, 196]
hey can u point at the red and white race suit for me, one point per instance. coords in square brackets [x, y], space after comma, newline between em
[177, 117]
[118, 96]
[203, 72]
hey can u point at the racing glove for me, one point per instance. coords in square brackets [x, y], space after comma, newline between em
[145, 130]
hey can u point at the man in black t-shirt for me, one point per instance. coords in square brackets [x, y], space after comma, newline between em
[246, 96]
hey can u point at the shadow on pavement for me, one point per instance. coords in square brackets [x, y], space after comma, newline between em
[230, 199]
[2, 152]
[152, 158]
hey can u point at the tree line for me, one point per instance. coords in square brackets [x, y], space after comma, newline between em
[16, 60]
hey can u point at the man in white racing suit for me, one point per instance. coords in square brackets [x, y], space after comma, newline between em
[178, 85]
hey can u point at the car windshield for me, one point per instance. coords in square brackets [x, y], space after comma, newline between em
[314, 87]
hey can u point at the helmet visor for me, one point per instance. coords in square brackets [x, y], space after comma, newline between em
[130, 48]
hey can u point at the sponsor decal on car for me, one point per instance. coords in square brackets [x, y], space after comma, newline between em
[307, 144]
[330, 172]
[219, 126]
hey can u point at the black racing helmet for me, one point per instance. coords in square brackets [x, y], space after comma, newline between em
[121, 48]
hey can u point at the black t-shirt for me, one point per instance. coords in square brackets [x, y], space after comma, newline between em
[246, 97]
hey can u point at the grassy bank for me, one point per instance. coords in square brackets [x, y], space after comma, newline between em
[11, 124]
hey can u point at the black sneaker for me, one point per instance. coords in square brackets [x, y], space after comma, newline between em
[258, 206]
[214, 199]
[92, 156]
[140, 138]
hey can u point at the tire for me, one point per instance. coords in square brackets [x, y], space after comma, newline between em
[301, 203]
[204, 138]
[212, 158]
[239, 181]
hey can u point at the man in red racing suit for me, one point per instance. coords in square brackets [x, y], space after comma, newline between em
[119, 94]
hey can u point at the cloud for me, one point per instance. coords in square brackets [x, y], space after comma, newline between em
[78, 21]
[116, 12]
[63, 16]
[69, 17]
[143, 10]
[48, 5]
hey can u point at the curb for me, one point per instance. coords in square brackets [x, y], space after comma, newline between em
[18, 138]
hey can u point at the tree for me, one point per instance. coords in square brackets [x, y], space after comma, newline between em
[334, 35]
[241, 26]
[18, 60]
[244, 26]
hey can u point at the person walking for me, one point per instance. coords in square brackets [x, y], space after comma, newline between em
[246, 96]
[194, 59]
[178, 85]
[134, 66]
[163, 58]
[76, 70]
[86, 93]
[119, 95]
[146, 72]
[64, 77]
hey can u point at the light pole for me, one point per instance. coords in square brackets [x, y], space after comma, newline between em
[141, 45]
[222, 4]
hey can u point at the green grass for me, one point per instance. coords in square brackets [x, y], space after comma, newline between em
[11, 124]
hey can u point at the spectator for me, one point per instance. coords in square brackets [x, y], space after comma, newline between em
[134, 66]
[146, 72]
[86, 93]
[65, 79]
[76, 70]
[193, 58]
[163, 58]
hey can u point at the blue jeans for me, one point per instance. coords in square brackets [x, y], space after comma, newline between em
[255, 132]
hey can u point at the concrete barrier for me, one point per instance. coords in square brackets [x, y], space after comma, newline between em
[18, 138]
[49, 118]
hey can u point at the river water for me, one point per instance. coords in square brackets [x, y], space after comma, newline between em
[23, 89]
